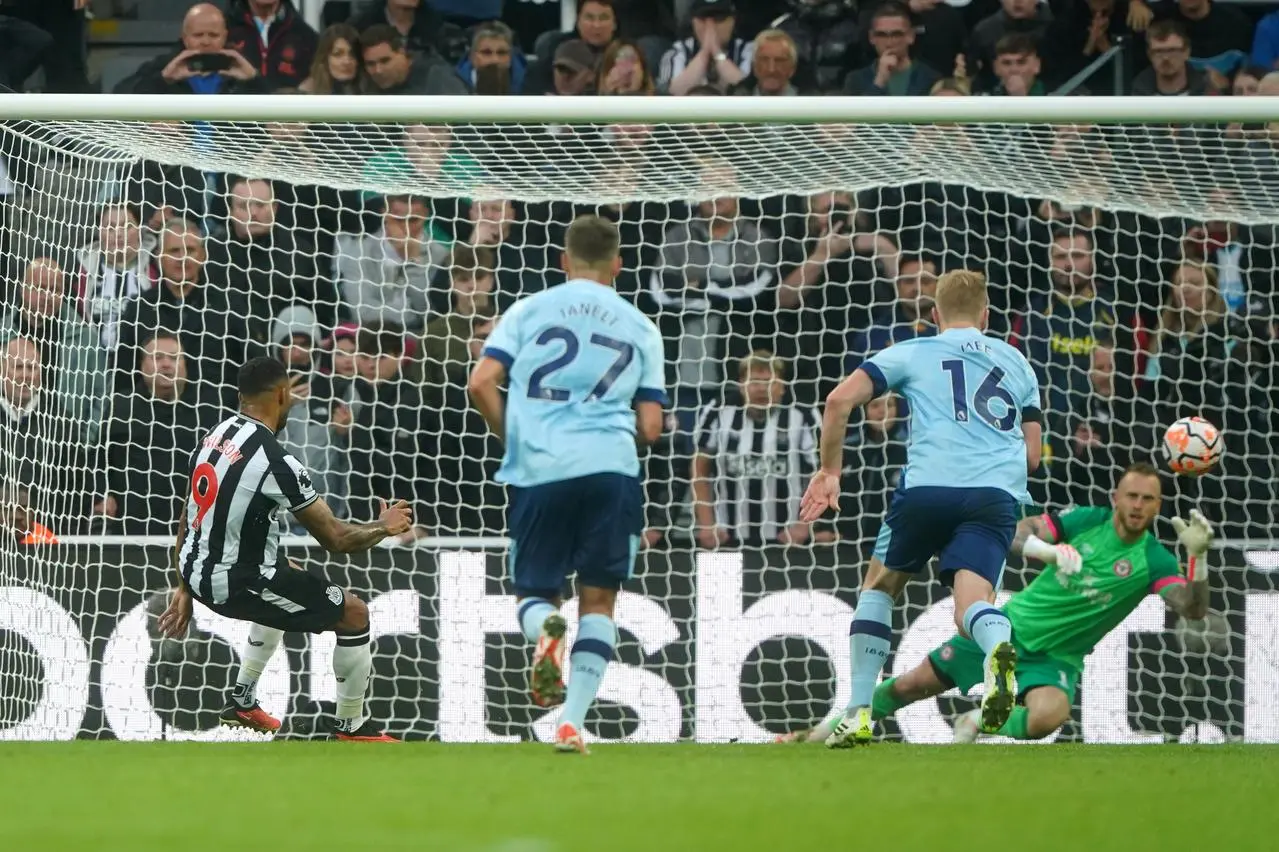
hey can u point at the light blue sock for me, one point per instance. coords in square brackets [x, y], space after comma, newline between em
[533, 611]
[870, 638]
[592, 650]
[987, 626]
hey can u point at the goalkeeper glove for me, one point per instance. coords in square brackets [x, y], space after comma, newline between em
[1065, 557]
[1196, 536]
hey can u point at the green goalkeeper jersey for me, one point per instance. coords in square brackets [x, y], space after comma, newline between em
[1066, 616]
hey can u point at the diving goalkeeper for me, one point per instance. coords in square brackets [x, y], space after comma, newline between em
[1099, 565]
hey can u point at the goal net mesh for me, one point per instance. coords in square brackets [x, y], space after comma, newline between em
[144, 261]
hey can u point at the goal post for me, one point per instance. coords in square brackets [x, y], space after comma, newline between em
[153, 243]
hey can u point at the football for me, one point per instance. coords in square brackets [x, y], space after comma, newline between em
[1192, 446]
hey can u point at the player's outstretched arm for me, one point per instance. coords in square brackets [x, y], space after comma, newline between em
[1035, 539]
[341, 537]
[1190, 599]
[485, 388]
[823, 492]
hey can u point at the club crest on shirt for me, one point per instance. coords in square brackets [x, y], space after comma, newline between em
[947, 652]
[1123, 568]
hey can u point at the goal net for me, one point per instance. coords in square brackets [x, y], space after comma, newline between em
[1134, 263]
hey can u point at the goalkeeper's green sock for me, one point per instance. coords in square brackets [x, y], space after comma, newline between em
[884, 703]
[1016, 725]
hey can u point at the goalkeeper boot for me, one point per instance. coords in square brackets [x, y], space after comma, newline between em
[251, 718]
[367, 732]
[546, 676]
[1001, 687]
[968, 727]
[855, 729]
[569, 739]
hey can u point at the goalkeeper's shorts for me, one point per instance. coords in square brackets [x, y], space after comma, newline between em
[959, 663]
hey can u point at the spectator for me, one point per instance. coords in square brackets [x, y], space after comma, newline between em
[275, 40]
[394, 444]
[392, 71]
[493, 46]
[155, 422]
[753, 461]
[828, 276]
[940, 32]
[952, 87]
[874, 455]
[73, 367]
[17, 516]
[52, 33]
[202, 64]
[1083, 449]
[27, 424]
[113, 269]
[712, 285]
[310, 430]
[471, 285]
[624, 71]
[160, 191]
[1265, 43]
[1247, 81]
[1017, 66]
[265, 267]
[908, 316]
[207, 320]
[1064, 325]
[426, 154]
[772, 68]
[596, 29]
[1238, 256]
[1170, 71]
[893, 72]
[573, 69]
[338, 68]
[420, 28]
[1219, 34]
[385, 277]
[470, 501]
[523, 261]
[827, 39]
[1024, 17]
[1212, 363]
[713, 56]
[23, 47]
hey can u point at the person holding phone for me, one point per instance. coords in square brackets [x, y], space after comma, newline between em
[202, 65]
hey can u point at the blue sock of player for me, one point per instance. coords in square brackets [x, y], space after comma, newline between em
[592, 650]
[870, 638]
[257, 653]
[533, 611]
[987, 626]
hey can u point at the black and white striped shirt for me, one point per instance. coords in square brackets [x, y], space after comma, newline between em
[761, 467]
[240, 479]
[675, 60]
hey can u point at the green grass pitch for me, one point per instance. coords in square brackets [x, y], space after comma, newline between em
[456, 798]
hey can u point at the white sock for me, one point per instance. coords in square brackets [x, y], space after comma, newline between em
[253, 660]
[352, 663]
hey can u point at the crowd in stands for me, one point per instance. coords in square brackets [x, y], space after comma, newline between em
[116, 357]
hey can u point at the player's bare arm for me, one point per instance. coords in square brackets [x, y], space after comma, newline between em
[1034, 435]
[648, 422]
[485, 388]
[823, 492]
[1035, 539]
[338, 536]
[177, 615]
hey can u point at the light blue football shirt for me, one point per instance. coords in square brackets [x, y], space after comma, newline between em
[577, 356]
[969, 395]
